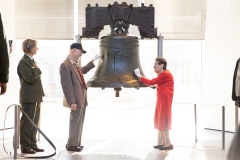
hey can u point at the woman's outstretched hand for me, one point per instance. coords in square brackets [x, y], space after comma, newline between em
[137, 72]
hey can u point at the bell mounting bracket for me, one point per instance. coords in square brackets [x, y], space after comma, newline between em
[119, 17]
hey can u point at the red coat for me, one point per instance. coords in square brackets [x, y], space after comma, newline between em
[165, 87]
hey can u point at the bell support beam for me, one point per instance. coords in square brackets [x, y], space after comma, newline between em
[160, 45]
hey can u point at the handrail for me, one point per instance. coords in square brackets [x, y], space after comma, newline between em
[17, 115]
[195, 120]
[17, 131]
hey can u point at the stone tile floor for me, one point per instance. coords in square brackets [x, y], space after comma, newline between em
[110, 134]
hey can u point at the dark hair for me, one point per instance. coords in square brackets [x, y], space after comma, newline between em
[162, 61]
[28, 44]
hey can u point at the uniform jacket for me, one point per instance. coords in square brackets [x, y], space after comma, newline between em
[4, 60]
[72, 85]
[236, 82]
[31, 90]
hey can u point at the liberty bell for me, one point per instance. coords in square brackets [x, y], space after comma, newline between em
[119, 51]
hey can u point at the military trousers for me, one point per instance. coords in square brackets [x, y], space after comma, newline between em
[28, 133]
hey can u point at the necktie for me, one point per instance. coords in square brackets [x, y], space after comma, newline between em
[82, 78]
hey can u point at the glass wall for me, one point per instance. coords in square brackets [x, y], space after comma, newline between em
[183, 57]
[49, 56]
[44, 19]
[180, 19]
[182, 24]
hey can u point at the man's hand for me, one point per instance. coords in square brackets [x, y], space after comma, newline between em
[95, 57]
[73, 107]
[36, 66]
[11, 48]
[137, 72]
[152, 86]
[3, 87]
[236, 103]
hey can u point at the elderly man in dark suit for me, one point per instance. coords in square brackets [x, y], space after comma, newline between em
[75, 92]
[31, 93]
[236, 84]
[233, 153]
[4, 60]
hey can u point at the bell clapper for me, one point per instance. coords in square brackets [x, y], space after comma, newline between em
[117, 91]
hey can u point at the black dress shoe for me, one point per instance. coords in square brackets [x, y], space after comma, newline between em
[158, 146]
[167, 147]
[28, 151]
[74, 148]
[38, 150]
[81, 147]
[78, 146]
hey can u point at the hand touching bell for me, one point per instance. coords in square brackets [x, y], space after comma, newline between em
[137, 73]
[96, 57]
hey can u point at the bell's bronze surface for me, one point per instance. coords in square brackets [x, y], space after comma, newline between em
[119, 56]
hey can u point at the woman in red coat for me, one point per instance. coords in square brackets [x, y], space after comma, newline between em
[163, 114]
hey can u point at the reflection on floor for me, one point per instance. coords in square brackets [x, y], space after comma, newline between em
[110, 133]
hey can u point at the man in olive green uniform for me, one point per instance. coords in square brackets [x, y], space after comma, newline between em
[31, 93]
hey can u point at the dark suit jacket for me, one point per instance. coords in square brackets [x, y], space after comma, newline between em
[233, 153]
[31, 90]
[4, 60]
[234, 96]
[72, 84]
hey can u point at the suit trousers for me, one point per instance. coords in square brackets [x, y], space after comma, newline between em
[76, 126]
[233, 153]
[28, 133]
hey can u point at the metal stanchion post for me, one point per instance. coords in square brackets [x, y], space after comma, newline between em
[15, 131]
[39, 123]
[79, 40]
[236, 119]
[18, 130]
[195, 119]
[223, 127]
